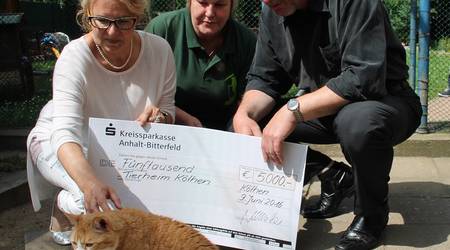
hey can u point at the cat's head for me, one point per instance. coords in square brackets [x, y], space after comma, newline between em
[97, 231]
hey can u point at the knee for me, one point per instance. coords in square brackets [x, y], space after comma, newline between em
[363, 132]
[71, 203]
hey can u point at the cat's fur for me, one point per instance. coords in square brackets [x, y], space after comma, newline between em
[129, 229]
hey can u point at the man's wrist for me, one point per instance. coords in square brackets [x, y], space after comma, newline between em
[293, 105]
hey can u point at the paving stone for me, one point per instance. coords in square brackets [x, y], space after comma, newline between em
[413, 168]
[423, 211]
[419, 218]
[10, 180]
[428, 236]
[41, 240]
[14, 189]
[443, 168]
[424, 188]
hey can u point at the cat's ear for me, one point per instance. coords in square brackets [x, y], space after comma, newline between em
[101, 224]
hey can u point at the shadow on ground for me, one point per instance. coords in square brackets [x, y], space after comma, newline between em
[419, 218]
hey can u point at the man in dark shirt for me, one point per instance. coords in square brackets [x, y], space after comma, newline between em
[346, 56]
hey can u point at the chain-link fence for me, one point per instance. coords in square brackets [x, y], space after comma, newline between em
[439, 68]
[439, 60]
[247, 12]
[15, 68]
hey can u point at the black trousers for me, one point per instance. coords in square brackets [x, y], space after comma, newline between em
[367, 131]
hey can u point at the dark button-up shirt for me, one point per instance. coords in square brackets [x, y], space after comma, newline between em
[349, 46]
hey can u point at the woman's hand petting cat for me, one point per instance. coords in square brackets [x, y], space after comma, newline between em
[96, 196]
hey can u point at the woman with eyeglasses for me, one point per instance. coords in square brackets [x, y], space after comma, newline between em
[114, 72]
[213, 53]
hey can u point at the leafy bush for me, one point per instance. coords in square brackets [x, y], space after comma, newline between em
[21, 114]
[444, 44]
[398, 11]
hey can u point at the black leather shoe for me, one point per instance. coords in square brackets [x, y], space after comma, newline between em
[336, 184]
[364, 233]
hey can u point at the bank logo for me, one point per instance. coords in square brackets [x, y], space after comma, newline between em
[111, 131]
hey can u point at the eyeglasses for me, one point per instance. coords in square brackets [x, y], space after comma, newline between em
[123, 23]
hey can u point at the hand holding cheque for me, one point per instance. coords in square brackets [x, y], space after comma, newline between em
[215, 181]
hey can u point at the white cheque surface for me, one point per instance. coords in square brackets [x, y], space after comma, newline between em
[215, 181]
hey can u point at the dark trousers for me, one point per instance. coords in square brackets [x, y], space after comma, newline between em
[366, 132]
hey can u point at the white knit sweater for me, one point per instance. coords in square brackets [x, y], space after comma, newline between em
[83, 88]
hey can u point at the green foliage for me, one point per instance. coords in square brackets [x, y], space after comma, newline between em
[159, 6]
[248, 12]
[444, 44]
[180, 4]
[43, 66]
[60, 3]
[438, 71]
[439, 19]
[398, 11]
[21, 114]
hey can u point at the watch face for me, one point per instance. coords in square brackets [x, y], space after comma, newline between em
[292, 104]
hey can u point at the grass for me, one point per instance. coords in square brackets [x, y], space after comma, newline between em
[439, 68]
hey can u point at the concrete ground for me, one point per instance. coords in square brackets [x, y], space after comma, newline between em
[419, 202]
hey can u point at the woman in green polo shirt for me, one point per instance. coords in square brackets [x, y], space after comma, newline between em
[213, 53]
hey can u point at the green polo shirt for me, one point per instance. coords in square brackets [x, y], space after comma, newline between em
[207, 88]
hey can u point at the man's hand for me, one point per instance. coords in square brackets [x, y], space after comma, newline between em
[277, 130]
[253, 107]
[243, 124]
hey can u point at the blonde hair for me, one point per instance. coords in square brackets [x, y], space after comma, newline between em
[234, 4]
[136, 7]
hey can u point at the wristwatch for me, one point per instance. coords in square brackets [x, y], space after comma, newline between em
[161, 116]
[164, 113]
[294, 106]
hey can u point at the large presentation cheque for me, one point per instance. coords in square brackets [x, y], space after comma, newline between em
[215, 181]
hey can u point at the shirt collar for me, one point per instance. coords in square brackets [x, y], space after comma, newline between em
[192, 40]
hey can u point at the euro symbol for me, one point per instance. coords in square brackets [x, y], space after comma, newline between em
[246, 174]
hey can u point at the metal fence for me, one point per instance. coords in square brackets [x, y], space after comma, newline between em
[247, 12]
[439, 67]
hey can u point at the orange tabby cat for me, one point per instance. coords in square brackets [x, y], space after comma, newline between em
[129, 229]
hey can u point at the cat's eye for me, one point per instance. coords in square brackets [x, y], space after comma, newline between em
[89, 244]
